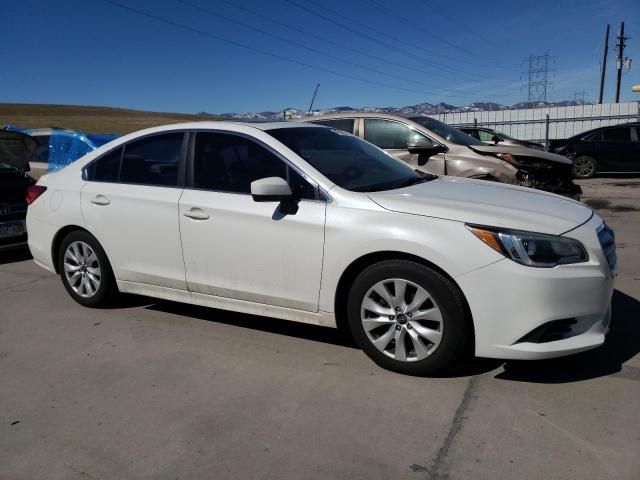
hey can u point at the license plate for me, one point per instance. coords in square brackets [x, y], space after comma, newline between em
[11, 230]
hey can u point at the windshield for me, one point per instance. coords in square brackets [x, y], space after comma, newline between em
[447, 132]
[348, 161]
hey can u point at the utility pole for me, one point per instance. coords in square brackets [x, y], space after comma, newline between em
[604, 63]
[620, 60]
[313, 99]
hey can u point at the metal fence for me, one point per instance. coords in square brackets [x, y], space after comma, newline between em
[563, 122]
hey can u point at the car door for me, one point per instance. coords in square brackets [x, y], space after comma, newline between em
[235, 247]
[394, 137]
[130, 204]
[617, 151]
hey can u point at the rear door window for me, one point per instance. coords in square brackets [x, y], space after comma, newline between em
[106, 168]
[153, 161]
[617, 135]
[390, 135]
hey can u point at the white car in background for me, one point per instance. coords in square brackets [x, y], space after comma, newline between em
[312, 224]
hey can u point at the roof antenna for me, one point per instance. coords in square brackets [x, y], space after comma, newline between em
[313, 99]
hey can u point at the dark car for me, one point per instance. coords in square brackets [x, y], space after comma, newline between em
[491, 137]
[16, 149]
[604, 149]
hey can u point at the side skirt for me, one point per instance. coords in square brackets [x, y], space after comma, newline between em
[323, 319]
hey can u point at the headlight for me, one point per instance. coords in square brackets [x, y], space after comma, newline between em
[532, 249]
[507, 157]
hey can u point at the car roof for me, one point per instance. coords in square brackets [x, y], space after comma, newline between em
[329, 116]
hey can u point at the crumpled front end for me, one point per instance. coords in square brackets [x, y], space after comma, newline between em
[550, 177]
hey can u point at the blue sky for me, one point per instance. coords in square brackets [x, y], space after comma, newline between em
[407, 51]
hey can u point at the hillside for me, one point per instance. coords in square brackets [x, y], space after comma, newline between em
[90, 119]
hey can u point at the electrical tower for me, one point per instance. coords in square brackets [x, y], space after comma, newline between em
[579, 97]
[537, 75]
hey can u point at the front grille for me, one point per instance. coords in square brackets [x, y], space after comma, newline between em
[608, 243]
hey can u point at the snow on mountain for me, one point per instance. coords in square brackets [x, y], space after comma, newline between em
[419, 109]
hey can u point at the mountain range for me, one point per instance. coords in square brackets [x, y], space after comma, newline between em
[419, 109]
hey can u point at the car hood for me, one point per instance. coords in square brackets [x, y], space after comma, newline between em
[522, 151]
[16, 149]
[487, 203]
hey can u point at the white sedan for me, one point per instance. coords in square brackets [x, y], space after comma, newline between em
[311, 224]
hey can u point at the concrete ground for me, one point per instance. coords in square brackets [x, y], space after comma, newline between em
[159, 390]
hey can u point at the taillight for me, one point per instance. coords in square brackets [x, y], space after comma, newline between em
[33, 192]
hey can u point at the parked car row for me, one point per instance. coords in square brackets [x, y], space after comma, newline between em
[316, 225]
[434, 147]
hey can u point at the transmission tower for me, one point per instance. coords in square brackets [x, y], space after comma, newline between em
[537, 75]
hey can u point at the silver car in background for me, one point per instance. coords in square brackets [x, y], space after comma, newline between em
[434, 147]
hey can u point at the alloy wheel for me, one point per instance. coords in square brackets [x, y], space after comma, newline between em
[402, 320]
[584, 167]
[82, 269]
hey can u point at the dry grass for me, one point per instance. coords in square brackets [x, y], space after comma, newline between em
[89, 119]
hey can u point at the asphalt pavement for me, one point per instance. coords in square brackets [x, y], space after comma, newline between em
[159, 390]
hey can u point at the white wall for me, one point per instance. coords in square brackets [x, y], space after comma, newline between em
[564, 122]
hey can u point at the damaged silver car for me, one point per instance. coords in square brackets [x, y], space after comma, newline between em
[434, 147]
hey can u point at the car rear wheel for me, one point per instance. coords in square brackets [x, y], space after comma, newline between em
[407, 317]
[85, 270]
[584, 167]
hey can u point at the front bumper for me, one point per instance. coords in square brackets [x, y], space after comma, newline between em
[509, 301]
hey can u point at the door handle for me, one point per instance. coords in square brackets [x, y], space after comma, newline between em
[100, 200]
[196, 214]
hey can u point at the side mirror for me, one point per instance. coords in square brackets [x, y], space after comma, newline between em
[495, 139]
[270, 189]
[427, 148]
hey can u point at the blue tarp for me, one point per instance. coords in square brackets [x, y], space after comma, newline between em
[65, 146]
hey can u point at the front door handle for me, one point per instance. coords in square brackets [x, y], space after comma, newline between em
[100, 200]
[196, 214]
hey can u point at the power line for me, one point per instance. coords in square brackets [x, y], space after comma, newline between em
[377, 39]
[418, 27]
[314, 50]
[254, 49]
[457, 22]
[335, 44]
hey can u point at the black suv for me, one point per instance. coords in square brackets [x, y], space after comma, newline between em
[605, 149]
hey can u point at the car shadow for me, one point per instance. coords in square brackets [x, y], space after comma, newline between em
[15, 255]
[304, 331]
[622, 344]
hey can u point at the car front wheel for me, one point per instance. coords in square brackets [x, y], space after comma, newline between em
[407, 317]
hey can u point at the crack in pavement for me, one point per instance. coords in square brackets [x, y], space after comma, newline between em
[437, 468]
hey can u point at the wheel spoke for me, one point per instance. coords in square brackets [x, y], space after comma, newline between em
[71, 268]
[95, 281]
[400, 287]
[91, 259]
[434, 336]
[381, 290]
[432, 314]
[421, 351]
[373, 323]
[401, 350]
[374, 307]
[419, 298]
[87, 286]
[383, 340]
[76, 252]
[74, 277]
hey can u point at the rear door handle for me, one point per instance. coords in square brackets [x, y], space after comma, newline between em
[100, 200]
[196, 214]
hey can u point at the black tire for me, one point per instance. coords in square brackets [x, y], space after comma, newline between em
[584, 167]
[107, 290]
[455, 326]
